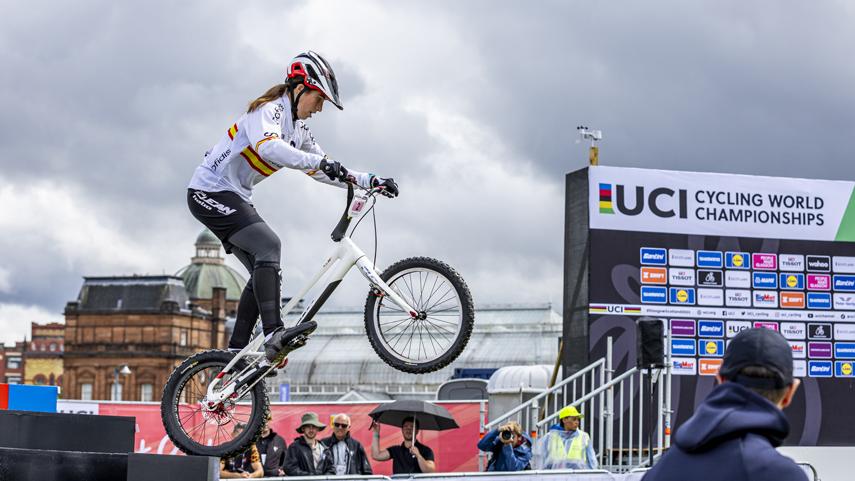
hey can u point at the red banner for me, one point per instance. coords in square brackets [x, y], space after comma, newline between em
[455, 450]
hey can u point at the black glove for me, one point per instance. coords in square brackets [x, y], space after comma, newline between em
[334, 170]
[390, 185]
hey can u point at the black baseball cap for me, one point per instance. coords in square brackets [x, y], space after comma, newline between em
[758, 347]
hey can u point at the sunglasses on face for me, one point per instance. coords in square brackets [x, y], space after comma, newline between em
[340, 425]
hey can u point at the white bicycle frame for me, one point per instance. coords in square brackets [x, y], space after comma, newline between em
[344, 256]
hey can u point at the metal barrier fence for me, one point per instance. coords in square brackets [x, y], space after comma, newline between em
[614, 409]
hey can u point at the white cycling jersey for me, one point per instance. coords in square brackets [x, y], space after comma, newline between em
[260, 143]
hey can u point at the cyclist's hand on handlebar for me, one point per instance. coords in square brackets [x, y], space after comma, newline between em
[334, 170]
[389, 185]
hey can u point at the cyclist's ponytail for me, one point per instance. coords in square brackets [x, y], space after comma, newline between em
[272, 94]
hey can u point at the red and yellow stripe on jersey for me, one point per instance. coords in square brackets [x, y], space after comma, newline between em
[232, 131]
[256, 162]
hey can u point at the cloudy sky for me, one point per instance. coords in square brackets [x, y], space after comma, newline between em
[107, 107]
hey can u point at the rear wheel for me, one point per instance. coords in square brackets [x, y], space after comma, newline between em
[207, 429]
[440, 330]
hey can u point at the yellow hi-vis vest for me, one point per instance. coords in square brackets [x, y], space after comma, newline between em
[576, 452]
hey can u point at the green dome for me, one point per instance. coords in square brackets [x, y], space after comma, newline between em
[207, 237]
[200, 280]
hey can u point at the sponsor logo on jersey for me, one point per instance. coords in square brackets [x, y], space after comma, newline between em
[764, 280]
[818, 300]
[653, 256]
[736, 260]
[709, 278]
[681, 257]
[710, 297]
[711, 328]
[819, 368]
[793, 300]
[791, 262]
[709, 367]
[819, 282]
[844, 369]
[844, 350]
[654, 275]
[798, 348]
[765, 298]
[737, 297]
[683, 347]
[844, 283]
[683, 327]
[735, 327]
[766, 325]
[681, 277]
[684, 366]
[712, 259]
[654, 295]
[710, 347]
[818, 263]
[792, 281]
[793, 330]
[737, 279]
[682, 295]
[843, 264]
[766, 262]
[819, 331]
[209, 203]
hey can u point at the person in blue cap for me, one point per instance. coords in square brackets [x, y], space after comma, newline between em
[733, 434]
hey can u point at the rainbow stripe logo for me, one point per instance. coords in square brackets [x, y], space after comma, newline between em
[606, 199]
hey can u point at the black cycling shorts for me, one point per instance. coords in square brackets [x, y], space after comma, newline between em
[223, 212]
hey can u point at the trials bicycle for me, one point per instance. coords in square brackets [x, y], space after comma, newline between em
[419, 315]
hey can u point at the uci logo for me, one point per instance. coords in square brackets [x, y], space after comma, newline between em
[661, 201]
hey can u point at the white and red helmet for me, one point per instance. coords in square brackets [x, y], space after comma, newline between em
[316, 74]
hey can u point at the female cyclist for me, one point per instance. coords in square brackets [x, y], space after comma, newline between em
[269, 136]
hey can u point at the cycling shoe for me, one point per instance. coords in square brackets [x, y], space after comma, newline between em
[284, 341]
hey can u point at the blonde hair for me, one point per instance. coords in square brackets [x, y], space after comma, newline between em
[272, 93]
[513, 426]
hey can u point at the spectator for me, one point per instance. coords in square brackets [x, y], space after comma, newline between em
[348, 455]
[244, 465]
[510, 448]
[733, 434]
[306, 456]
[408, 458]
[272, 448]
[565, 446]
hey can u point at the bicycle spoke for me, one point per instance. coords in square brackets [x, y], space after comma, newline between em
[433, 289]
[440, 320]
[443, 299]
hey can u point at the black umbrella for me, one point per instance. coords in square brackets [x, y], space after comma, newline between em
[428, 416]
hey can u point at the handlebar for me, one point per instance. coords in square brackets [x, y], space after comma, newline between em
[343, 223]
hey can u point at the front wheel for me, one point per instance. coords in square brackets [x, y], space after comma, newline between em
[197, 426]
[440, 331]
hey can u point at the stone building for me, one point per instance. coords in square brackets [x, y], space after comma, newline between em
[12, 363]
[43, 355]
[125, 335]
[207, 270]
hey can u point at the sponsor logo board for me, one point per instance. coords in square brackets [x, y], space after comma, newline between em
[708, 367]
[792, 281]
[654, 275]
[818, 263]
[710, 259]
[737, 279]
[844, 369]
[791, 262]
[819, 282]
[764, 280]
[681, 277]
[765, 298]
[844, 283]
[819, 331]
[818, 300]
[709, 278]
[684, 366]
[843, 264]
[821, 350]
[710, 297]
[844, 332]
[683, 347]
[737, 297]
[682, 295]
[798, 348]
[735, 327]
[652, 256]
[799, 368]
[844, 350]
[819, 368]
[844, 301]
[711, 328]
[792, 300]
[737, 260]
[765, 262]
[710, 347]
[654, 295]
[683, 327]
[766, 325]
[681, 258]
[794, 330]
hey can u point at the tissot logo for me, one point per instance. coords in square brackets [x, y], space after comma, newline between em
[793, 330]
[819, 263]
[661, 201]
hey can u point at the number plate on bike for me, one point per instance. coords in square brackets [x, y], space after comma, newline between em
[356, 205]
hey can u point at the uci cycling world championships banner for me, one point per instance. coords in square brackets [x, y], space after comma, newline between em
[712, 254]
